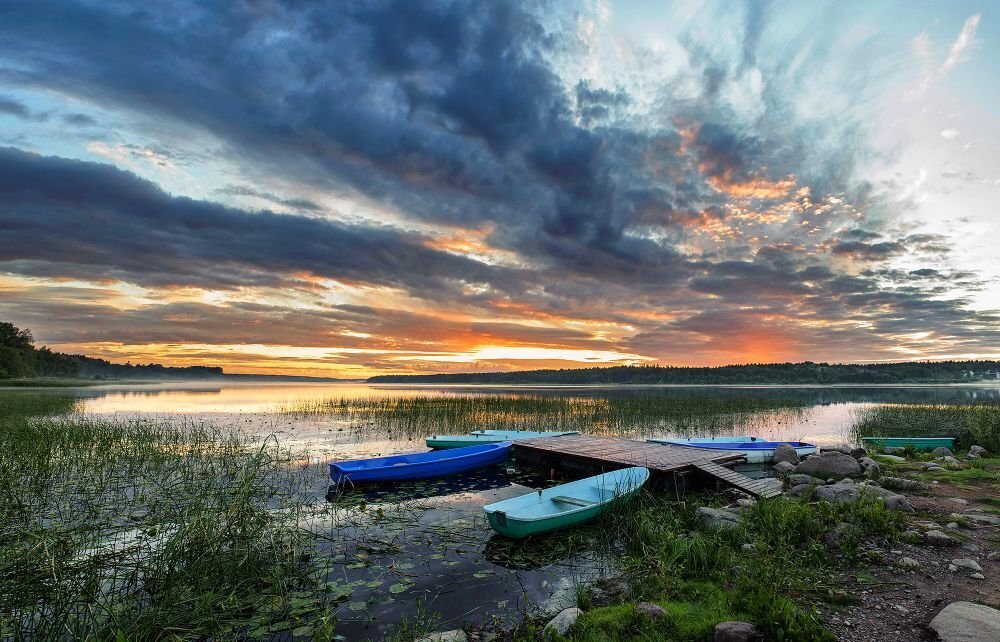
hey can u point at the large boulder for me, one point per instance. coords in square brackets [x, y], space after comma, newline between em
[784, 467]
[938, 538]
[827, 464]
[563, 622]
[941, 451]
[967, 622]
[736, 632]
[718, 517]
[650, 610]
[784, 452]
[976, 452]
[846, 491]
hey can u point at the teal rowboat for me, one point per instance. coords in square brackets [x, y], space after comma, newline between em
[440, 442]
[563, 506]
[918, 443]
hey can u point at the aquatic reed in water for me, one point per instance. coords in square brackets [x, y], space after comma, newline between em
[625, 415]
[970, 424]
[134, 528]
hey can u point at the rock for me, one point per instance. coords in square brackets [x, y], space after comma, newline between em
[746, 502]
[772, 483]
[941, 451]
[948, 459]
[857, 452]
[748, 548]
[958, 500]
[784, 467]
[650, 610]
[991, 520]
[785, 453]
[968, 565]
[799, 478]
[893, 458]
[718, 517]
[976, 452]
[912, 535]
[457, 635]
[952, 526]
[937, 538]
[952, 568]
[874, 471]
[798, 490]
[900, 483]
[837, 533]
[967, 622]
[993, 555]
[978, 576]
[893, 450]
[735, 632]
[971, 547]
[563, 622]
[935, 469]
[910, 563]
[830, 463]
[847, 491]
[611, 589]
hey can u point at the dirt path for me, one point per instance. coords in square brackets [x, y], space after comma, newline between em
[896, 603]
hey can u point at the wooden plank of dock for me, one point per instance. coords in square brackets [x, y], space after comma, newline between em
[660, 459]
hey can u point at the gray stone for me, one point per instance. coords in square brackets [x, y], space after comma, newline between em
[968, 565]
[992, 556]
[911, 535]
[830, 463]
[857, 452]
[784, 467]
[893, 458]
[937, 538]
[900, 483]
[718, 517]
[457, 635]
[650, 610]
[735, 632]
[991, 520]
[935, 469]
[837, 533]
[952, 526]
[910, 563]
[798, 490]
[844, 493]
[978, 576]
[958, 500]
[786, 453]
[941, 451]
[967, 622]
[563, 622]
[874, 471]
[948, 459]
[952, 568]
[893, 450]
[971, 547]
[799, 478]
[746, 502]
[976, 452]
[772, 483]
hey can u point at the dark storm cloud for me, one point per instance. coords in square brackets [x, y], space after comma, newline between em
[71, 218]
[13, 108]
[449, 112]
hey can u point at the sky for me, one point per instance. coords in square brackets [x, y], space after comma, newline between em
[387, 187]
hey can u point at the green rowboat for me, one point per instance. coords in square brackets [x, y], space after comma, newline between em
[563, 506]
[440, 442]
[918, 443]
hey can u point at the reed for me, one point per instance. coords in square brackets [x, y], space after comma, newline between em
[140, 529]
[625, 415]
[970, 424]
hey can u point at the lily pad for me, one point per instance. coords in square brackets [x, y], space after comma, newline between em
[399, 587]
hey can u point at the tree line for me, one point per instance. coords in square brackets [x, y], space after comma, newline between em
[754, 373]
[19, 358]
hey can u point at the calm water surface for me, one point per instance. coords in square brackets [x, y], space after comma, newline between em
[388, 549]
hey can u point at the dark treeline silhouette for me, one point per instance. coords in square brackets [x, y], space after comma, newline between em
[19, 358]
[754, 373]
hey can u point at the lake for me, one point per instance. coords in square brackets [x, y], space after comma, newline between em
[424, 547]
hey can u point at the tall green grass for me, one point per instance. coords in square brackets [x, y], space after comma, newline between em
[626, 415]
[970, 424]
[141, 530]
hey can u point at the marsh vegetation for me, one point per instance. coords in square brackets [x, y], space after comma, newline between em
[974, 423]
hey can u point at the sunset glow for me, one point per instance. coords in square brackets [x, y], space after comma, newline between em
[448, 187]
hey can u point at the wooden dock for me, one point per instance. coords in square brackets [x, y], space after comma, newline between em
[663, 461]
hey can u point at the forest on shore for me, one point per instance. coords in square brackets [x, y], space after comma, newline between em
[755, 373]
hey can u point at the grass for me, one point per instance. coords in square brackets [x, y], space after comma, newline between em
[142, 530]
[703, 577]
[626, 415]
[977, 423]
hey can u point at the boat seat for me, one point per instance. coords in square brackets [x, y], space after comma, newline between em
[576, 501]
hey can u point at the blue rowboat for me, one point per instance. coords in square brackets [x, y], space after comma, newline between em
[563, 506]
[918, 443]
[757, 451]
[440, 442]
[418, 465]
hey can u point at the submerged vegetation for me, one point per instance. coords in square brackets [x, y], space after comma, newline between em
[625, 415]
[139, 529]
[970, 424]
